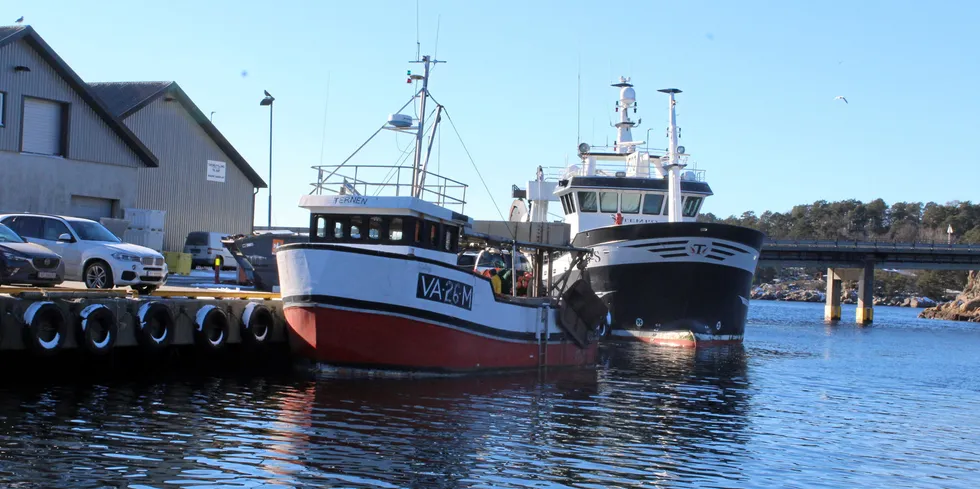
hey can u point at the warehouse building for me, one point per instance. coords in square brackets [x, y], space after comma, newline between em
[201, 182]
[70, 148]
[61, 151]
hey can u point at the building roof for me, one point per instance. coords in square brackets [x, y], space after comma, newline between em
[127, 98]
[10, 34]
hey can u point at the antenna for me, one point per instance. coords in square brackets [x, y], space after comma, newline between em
[435, 54]
[578, 106]
[323, 133]
[418, 45]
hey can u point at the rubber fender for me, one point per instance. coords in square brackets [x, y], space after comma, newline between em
[45, 327]
[97, 329]
[156, 325]
[257, 323]
[211, 327]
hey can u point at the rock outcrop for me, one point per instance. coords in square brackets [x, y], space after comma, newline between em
[966, 306]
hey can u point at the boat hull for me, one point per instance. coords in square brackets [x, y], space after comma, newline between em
[363, 339]
[398, 311]
[679, 284]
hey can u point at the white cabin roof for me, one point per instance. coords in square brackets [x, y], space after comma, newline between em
[379, 205]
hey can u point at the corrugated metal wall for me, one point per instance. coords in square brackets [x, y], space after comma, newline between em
[89, 138]
[179, 186]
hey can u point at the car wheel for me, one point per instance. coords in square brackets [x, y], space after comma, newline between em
[144, 289]
[98, 275]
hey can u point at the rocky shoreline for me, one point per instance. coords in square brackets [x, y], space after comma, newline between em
[812, 291]
[966, 306]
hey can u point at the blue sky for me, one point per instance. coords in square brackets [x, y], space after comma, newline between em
[757, 112]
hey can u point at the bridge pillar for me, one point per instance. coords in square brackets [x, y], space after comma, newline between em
[866, 290]
[831, 312]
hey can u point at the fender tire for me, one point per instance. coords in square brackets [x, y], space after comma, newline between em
[211, 327]
[45, 327]
[98, 329]
[257, 324]
[155, 325]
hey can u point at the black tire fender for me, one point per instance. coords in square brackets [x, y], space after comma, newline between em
[40, 319]
[257, 323]
[97, 329]
[211, 327]
[156, 325]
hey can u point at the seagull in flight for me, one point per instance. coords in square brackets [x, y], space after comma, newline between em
[841, 97]
[20, 20]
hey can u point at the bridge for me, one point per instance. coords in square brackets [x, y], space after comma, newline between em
[856, 260]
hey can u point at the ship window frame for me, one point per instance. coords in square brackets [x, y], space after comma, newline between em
[639, 202]
[378, 230]
[691, 211]
[581, 208]
[564, 204]
[643, 206]
[602, 205]
[390, 229]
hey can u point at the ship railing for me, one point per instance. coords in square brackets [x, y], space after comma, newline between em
[611, 169]
[387, 180]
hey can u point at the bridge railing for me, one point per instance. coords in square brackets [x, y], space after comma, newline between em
[869, 245]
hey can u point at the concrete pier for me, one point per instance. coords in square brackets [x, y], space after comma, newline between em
[832, 309]
[865, 277]
[866, 290]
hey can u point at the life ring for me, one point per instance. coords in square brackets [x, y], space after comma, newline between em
[257, 323]
[97, 329]
[156, 324]
[45, 327]
[211, 327]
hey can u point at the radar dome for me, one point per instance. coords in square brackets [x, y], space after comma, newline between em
[627, 95]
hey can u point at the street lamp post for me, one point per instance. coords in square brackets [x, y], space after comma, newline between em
[268, 101]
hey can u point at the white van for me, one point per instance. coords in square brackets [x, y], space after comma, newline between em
[204, 247]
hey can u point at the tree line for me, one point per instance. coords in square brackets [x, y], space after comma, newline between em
[874, 221]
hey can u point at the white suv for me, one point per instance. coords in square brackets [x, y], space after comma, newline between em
[91, 253]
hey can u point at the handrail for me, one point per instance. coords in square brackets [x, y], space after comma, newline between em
[374, 180]
[876, 245]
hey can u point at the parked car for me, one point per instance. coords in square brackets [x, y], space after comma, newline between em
[205, 247]
[91, 253]
[22, 262]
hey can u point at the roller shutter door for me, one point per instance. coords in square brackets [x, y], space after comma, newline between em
[42, 126]
[90, 207]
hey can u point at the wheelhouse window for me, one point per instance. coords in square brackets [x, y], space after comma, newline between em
[587, 202]
[356, 227]
[652, 203]
[630, 203]
[374, 228]
[609, 201]
[321, 227]
[338, 229]
[451, 243]
[691, 206]
[395, 229]
[433, 233]
[564, 204]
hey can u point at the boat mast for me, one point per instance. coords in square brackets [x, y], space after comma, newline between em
[627, 100]
[418, 172]
[673, 165]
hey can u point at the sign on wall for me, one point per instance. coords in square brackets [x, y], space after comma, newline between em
[216, 171]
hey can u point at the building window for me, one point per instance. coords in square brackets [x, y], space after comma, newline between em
[395, 229]
[630, 203]
[44, 127]
[652, 203]
[587, 202]
[3, 109]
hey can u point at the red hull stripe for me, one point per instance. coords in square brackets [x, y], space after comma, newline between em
[356, 338]
[413, 313]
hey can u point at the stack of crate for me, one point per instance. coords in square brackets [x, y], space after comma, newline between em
[145, 227]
